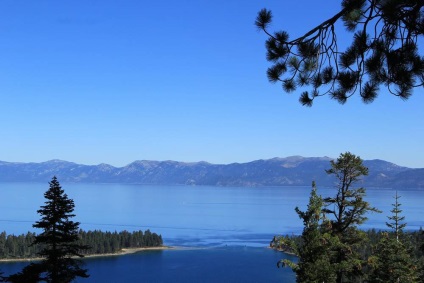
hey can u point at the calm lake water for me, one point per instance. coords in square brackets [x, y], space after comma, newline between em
[230, 227]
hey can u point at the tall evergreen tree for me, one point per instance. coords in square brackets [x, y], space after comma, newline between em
[384, 52]
[392, 261]
[396, 225]
[59, 240]
[316, 246]
[348, 207]
[347, 210]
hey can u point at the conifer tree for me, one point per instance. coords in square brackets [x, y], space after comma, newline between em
[392, 261]
[59, 240]
[396, 225]
[384, 52]
[348, 206]
[346, 211]
[316, 247]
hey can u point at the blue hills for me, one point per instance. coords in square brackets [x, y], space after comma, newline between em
[289, 171]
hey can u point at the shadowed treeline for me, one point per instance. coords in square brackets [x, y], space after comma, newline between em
[19, 246]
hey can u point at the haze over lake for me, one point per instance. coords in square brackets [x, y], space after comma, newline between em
[227, 223]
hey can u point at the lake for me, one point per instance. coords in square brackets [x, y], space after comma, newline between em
[228, 227]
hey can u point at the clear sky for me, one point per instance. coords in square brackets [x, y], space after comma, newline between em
[117, 81]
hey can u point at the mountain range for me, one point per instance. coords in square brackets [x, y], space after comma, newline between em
[289, 171]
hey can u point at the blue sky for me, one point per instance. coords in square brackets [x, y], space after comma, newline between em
[117, 81]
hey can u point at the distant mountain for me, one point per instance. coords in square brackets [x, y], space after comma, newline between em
[289, 171]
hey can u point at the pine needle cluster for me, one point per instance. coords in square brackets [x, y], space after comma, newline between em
[384, 52]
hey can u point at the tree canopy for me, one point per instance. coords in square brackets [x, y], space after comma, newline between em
[347, 210]
[392, 260]
[330, 244]
[315, 250]
[59, 240]
[384, 52]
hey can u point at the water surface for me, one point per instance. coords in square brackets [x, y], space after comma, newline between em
[232, 226]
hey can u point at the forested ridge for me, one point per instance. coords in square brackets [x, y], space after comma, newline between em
[100, 242]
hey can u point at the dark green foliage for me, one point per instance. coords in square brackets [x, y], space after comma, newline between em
[332, 246]
[348, 207]
[396, 225]
[392, 262]
[412, 239]
[419, 253]
[347, 210]
[377, 242]
[12, 246]
[393, 259]
[287, 244]
[59, 237]
[58, 242]
[112, 242]
[15, 247]
[315, 248]
[384, 51]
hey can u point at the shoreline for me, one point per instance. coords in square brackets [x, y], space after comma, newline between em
[282, 250]
[127, 251]
[124, 251]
